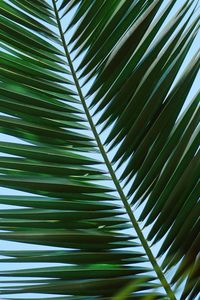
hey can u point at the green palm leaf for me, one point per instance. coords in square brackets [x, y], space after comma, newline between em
[134, 52]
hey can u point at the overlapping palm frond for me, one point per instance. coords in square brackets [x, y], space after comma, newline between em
[136, 60]
[133, 50]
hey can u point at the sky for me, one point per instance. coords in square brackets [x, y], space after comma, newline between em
[3, 191]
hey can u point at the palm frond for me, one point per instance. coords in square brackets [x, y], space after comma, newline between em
[139, 99]
[134, 52]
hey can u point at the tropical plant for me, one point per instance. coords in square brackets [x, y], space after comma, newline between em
[73, 74]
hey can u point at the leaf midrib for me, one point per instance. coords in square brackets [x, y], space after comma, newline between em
[119, 189]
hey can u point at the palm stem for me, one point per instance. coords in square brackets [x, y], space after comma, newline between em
[119, 189]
